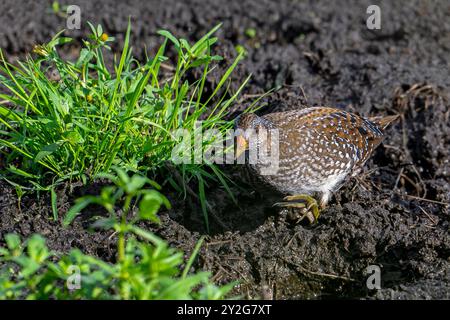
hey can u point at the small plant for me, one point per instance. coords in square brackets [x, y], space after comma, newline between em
[63, 120]
[250, 32]
[58, 9]
[146, 267]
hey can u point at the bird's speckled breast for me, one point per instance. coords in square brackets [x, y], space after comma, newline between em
[319, 147]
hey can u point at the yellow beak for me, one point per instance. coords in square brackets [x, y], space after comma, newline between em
[241, 146]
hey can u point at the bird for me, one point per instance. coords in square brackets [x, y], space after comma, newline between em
[317, 148]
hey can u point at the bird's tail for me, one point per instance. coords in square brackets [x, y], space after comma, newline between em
[384, 122]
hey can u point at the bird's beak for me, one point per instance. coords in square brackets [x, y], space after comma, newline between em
[241, 146]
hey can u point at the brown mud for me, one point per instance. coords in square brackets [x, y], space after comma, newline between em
[394, 215]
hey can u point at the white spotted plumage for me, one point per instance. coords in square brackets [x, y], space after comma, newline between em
[319, 147]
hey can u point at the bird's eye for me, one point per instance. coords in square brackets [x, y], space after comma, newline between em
[238, 132]
[237, 122]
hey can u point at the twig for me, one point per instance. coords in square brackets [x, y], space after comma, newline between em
[249, 96]
[428, 215]
[411, 182]
[304, 95]
[292, 239]
[216, 277]
[167, 67]
[239, 273]
[424, 187]
[398, 178]
[328, 275]
[316, 273]
[423, 199]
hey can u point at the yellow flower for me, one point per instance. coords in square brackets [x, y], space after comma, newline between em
[104, 37]
[40, 50]
[89, 98]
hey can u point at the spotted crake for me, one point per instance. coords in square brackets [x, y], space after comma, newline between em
[318, 148]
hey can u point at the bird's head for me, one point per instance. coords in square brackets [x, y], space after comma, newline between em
[246, 127]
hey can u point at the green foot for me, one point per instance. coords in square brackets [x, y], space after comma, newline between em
[308, 206]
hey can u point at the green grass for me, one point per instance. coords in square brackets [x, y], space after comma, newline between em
[87, 121]
[92, 117]
[146, 267]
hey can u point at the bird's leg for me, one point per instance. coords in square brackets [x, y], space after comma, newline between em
[309, 204]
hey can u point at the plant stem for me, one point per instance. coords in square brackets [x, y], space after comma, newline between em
[123, 225]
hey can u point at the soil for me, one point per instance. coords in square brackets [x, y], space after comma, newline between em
[395, 215]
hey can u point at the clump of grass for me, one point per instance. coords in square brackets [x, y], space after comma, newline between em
[63, 120]
[146, 266]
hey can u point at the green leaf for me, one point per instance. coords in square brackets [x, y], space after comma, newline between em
[9, 114]
[36, 248]
[29, 266]
[224, 183]
[185, 44]
[124, 179]
[12, 241]
[147, 235]
[135, 183]
[76, 210]
[123, 58]
[192, 257]
[200, 42]
[19, 191]
[216, 58]
[60, 103]
[169, 36]
[99, 30]
[63, 40]
[46, 151]
[84, 58]
[54, 206]
[91, 26]
[74, 137]
[56, 7]
[104, 223]
[20, 172]
[150, 204]
[200, 62]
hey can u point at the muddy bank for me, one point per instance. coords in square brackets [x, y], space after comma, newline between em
[395, 215]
